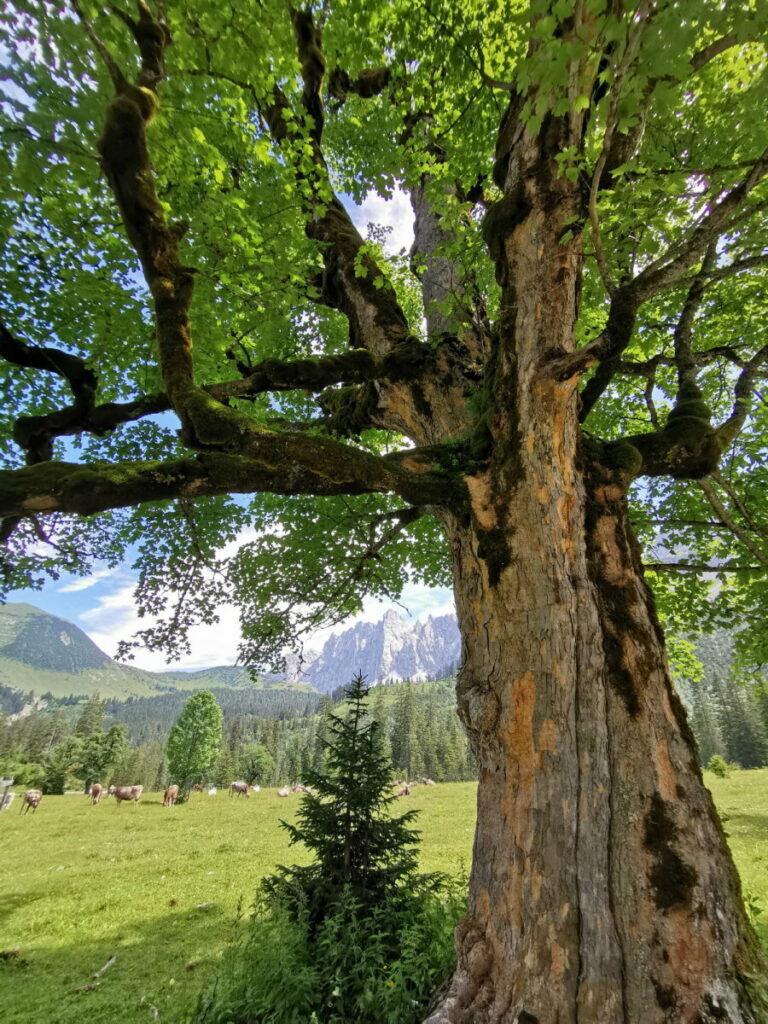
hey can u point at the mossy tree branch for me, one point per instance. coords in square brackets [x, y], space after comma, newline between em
[85, 490]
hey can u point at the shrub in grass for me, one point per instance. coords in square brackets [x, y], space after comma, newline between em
[358, 934]
[718, 766]
[380, 968]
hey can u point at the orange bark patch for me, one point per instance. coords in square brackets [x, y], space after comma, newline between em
[667, 708]
[558, 955]
[480, 498]
[690, 966]
[665, 773]
[516, 728]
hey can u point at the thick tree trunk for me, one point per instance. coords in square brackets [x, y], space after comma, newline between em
[602, 890]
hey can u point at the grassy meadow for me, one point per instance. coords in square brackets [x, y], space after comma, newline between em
[159, 889]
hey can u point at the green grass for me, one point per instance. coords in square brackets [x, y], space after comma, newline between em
[79, 884]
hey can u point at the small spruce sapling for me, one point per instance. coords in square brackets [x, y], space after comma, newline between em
[362, 854]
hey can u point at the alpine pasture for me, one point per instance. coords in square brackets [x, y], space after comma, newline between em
[160, 889]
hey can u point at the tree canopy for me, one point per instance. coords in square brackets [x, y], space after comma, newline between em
[193, 743]
[197, 338]
[184, 243]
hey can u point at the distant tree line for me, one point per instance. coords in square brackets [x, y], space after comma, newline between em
[273, 736]
[269, 737]
[730, 719]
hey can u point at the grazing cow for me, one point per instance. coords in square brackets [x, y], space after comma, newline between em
[171, 795]
[121, 793]
[212, 791]
[197, 788]
[284, 792]
[6, 801]
[255, 789]
[241, 788]
[429, 782]
[32, 799]
[95, 792]
[404, 790]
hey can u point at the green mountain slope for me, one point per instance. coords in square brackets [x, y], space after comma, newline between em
[41, 653]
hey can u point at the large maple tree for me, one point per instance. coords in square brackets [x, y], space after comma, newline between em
[191, 314]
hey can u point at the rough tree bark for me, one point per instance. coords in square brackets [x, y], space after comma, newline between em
[602, 890]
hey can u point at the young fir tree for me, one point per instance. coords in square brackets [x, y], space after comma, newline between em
[91, 720]
[361, 852]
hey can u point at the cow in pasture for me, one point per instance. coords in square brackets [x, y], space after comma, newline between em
[255, 789]
[95, 792]
[171, 795]
[241, 788]
[6, 801]
[32, 799]
[212, 791]
[429, 782]
[397, 783]
[284, 792]
[404, 790]
[197, 788]
[121, 793]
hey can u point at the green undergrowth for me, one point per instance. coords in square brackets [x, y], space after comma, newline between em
[80, 884]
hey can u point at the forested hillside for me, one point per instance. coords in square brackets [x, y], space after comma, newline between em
[270, 737]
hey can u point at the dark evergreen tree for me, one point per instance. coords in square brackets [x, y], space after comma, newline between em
[742, 726]
[706, 728]
[91, 720]
[257, 765]
[360, 851]
[100, 752]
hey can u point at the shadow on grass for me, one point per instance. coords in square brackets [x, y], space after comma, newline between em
[9, 902]
[163, 964]
[756, 824]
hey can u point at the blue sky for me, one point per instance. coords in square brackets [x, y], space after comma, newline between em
[102, 604]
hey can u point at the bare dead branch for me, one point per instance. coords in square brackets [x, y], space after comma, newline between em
[700, 567]
[722, 514]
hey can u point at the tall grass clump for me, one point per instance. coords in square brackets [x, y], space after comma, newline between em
[359, 934]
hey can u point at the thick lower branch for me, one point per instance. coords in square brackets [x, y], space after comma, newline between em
[326, 468]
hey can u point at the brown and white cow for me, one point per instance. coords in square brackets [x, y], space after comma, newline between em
[32, 799]
[171, 796]
[404, 790]
[241, 788]
[284, 792]
[428, 782]
[197, 788]
[95, 792]
[121, 793]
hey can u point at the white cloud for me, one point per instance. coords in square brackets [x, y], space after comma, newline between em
[86, 582]
[115, 618]
[395, 213]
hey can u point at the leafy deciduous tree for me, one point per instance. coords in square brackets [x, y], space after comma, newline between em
[582, 310]
[99, 752]
[193, 743]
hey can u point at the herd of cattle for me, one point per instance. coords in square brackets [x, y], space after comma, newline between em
[32, 797]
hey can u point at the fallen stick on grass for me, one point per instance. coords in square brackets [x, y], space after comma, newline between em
[109, 963]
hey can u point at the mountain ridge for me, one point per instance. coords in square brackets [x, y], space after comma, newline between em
[43, 653]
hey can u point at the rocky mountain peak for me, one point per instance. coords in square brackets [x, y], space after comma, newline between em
[386, 651]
